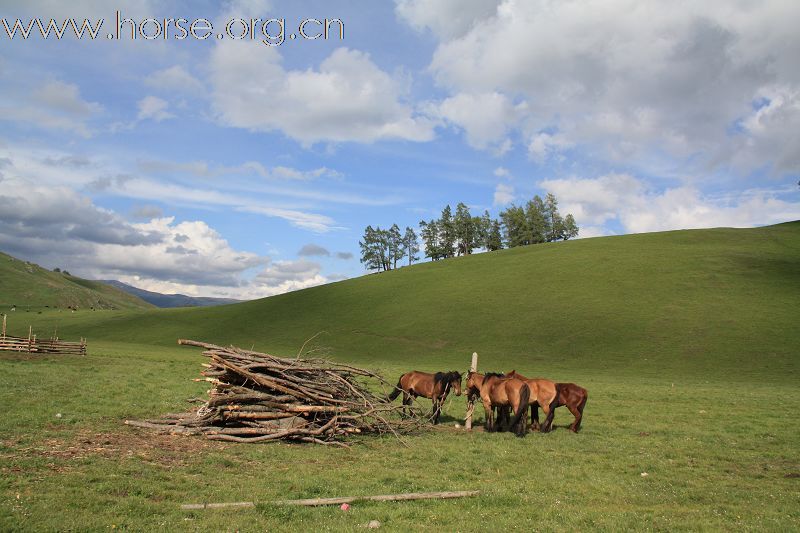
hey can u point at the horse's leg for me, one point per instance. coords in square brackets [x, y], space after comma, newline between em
[514, 411]
[437, 409]
[522, 427]
[534, 416]
[489, 414]
[548, 419]
[406, 404]
[577, 414]
[550, 411]
[501, 418]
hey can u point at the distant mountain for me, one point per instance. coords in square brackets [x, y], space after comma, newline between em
[169, 300]
[26, 285]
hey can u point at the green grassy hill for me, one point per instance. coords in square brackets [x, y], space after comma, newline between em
[719, 302]
[687, 342]
[31, 287]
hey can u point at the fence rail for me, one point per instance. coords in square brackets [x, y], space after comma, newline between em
[34, 345]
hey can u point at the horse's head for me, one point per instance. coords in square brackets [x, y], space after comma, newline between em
[474, 381]
[455, 382]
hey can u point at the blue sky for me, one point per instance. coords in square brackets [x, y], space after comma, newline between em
[210, 167]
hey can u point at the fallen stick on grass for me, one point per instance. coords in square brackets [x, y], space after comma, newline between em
[313, 502]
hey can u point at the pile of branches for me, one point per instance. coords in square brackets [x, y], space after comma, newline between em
[258, 397]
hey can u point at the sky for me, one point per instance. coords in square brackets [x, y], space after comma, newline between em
[230, 167]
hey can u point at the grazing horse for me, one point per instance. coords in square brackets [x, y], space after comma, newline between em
[497, 390]
[574, 397]
[434, 386]
[543, 393]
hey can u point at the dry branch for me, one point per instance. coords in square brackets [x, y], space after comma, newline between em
[257, 397]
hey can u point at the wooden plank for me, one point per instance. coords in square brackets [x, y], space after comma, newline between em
[315, 502]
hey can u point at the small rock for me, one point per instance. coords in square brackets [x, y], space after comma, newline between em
[58, 415]
[645, 474]
[344, 507]
[374, 524]
[457, 425]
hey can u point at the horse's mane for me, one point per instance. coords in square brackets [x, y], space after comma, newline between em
[445, 378]
[492, 375]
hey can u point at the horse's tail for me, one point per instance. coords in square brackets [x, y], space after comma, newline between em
[524, 399]
[397, 390]
[583, 400]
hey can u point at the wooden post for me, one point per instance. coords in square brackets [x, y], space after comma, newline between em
[471, 402]
[4, 324]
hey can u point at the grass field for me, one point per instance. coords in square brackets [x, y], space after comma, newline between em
[687, 342]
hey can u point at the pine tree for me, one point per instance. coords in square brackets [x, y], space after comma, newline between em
[430, 237]
[538, 225]
[447, 234]
[570, 227]
[494, 239]
[370, 249]
[395, 245]
[515, 226]
[554, 220]
[465, 230]
[411, 245]
[484, 225]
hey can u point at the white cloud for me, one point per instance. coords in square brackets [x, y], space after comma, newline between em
[56, 106]
[485, 117]
[544, 145]
[191, 252]
[58, 227]
[206, 170]
[310, 221]
[65, 97]
[174, 79]
[285, 276]
[502, 172]
[347, 99]
[503, 194]
[638, 208]
[446, 18]
[630, 80]
[147, 212]
[98, 175]
[153, 108]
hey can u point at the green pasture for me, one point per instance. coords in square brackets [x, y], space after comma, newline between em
[687, 342]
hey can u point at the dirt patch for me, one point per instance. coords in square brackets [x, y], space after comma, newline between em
[164, 450]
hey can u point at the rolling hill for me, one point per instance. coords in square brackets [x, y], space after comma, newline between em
[686, 340]
[712, 302]
[169, 300]
[29, 286]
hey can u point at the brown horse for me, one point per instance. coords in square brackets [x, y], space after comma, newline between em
[434, 386]
[497, 390]
[543, 393]
[574, 397]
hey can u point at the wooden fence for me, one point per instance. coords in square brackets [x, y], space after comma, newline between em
[33, 345]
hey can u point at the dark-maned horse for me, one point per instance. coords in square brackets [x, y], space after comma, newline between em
[497, 390]
[543, 393]
[574, 397]
[434, 386]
